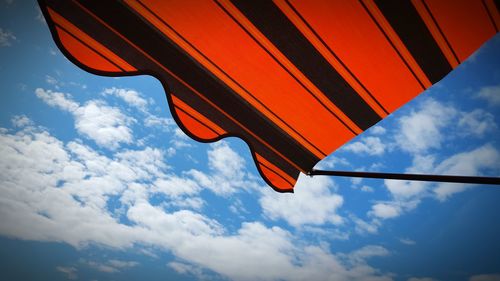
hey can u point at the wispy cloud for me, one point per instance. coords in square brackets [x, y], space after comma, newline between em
[312, 203]
[69, 271]
[6, 38]
[491, 94]
[62, 190]
[104, 124]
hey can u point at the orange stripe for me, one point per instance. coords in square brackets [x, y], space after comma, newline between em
[188, 86]
[275, 169]
[396, 41]
[222, 76]
[234, 52]
[289, 65]
[82, 52]
[362, 47]
[58, 19]
[492, 8]
[465, 24]
[200, 117]
[337, 65]
[434, 29]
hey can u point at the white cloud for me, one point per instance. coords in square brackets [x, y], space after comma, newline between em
[104, 124]
[39, 15]
[175, 186]
[155, 121]
[477, 122]
[52, 81]
[367, 252]
[332, 162]
[407, 241]
[53, 191]
[6, 38]
[312, 203]
[180, 140]
[227, 171]
[57, 99]
[131, 97]
[363, 227]
[111, 266]
[367, 188]
[469, 163]
[377, 130]
[421, 130]
[21, 121]
[385, 211]
[485, 277]
[69, 271]
[184, 268]
[407, 195]
[367, 145]
[491, 94]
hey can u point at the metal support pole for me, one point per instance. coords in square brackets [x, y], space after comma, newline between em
[411, 177]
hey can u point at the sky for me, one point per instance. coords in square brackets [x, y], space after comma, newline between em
[97, 182]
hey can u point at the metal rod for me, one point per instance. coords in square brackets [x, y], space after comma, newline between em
[412, 177]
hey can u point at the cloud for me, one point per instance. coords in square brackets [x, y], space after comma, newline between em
[477, 122]
[491, 94]
[422, 279]
[21, 121]
[175, 186]
[485, 277]
[407, 241]
[377, 130]
[367, 252]
[111, 266]
[69, 271]
[364, 227]
[6, 38]
[104, 124]
[227, 171]
[484, 158]
[367, 145]
[407, 195]
[131, 97]
[55, 191]
[184, 268]
[155, 121]
[385, 211]
[421, 130]
[180, 140]
[312, 203]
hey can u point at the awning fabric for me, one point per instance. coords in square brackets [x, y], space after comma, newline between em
[295, 79]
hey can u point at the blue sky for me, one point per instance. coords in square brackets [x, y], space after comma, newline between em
[98, 183]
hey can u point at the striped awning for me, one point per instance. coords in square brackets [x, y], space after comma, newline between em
[295, 79]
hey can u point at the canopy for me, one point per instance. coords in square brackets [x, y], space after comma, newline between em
[295, 79]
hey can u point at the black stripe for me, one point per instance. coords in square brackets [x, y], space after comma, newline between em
[181, 64]
[392, 44]
[335, 55]
[440, 31]
[490, 16]
[88, 46]
[231, 78]
[269, 19]
[412, 30]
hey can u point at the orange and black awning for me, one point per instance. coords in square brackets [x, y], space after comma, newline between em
[295, 79]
